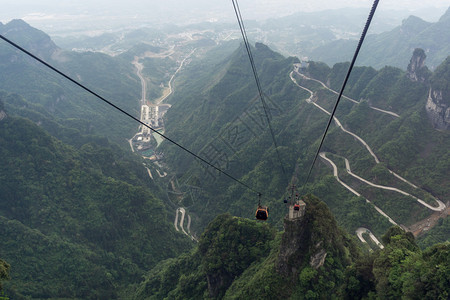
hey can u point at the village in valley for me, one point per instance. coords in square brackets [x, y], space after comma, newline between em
[146, 140]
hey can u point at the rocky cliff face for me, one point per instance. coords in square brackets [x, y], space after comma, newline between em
[2, 112]
[309, 240]
[438, 110]
[438, 102]
[417, 71]
[293, 247]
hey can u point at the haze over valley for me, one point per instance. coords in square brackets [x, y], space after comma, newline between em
[140, 178]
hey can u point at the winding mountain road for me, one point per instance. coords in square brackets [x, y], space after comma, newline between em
[182, 211]
[345, 97]
[441, 206]
[179, 221]
[335, 174]
[361, 230]
[170, 90]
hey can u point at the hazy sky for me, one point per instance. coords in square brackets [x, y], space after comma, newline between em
[49, 15]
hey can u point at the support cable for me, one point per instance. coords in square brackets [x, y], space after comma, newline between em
[255, 74]
[361, 40]
[123, 111]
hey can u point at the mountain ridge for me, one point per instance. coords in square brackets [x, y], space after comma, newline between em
[396, 45]
[71, 213]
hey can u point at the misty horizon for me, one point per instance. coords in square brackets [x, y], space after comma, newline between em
[59, 17]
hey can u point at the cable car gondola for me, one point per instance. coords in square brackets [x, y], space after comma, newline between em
[262, 213]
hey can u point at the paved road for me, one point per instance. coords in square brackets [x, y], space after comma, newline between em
[345, 97]
[338, 123]
[149, 173]
[130, 141]
[139, 68]
[164, 174]
[335, 173]
[164, 97]
[441, 206]
[183, 213]
[361, 230]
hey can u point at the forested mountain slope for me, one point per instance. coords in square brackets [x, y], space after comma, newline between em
[219, 116]
[393, 48]
[76, 206]
[312, 259]
[76, 223]
[112, 77]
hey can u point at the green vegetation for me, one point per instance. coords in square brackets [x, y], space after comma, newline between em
[4, 272]
[69, 214]
[47, 93]
[228, 247]
[440, 79]
[229, 264]
[76, 206]
[402, 270]
[392, 48]
[437, 234]
[159, 72]
[215, 123]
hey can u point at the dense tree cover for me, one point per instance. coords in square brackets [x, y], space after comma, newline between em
[211, 116]
[402, 270]
[203, 120]
[112, 77]
[158, 71]
[440, 80]
[218, 269]
[4, 275]
[227, 248]
[90, 211]
[236, 259]
[4, 272]
[437, 234]
[68, 214]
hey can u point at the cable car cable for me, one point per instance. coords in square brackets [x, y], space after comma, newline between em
[361, 40]
[255, 74]
[123, 111]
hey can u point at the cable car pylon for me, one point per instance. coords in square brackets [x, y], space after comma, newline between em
[296, 206]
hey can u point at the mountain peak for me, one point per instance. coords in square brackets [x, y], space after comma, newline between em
[310, 239]
[414, 24]
[416, 65]
[30, 38]
[18, 24]
[446, 16]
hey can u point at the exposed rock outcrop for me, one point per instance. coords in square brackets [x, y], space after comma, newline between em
[2, 115]
[2, 111]
[417, 71]
[293, 247]
[309, 240]
[438, 110]
[317, 260]
[438, 102]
